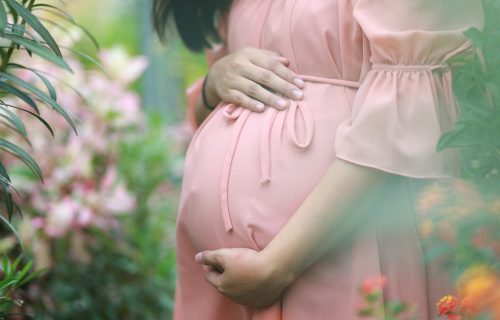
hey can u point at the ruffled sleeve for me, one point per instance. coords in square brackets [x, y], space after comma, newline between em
[405, 102]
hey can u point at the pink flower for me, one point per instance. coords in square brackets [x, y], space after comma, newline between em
[85, 217]
[120, 201]
[121, 66]
[60, 217]
[38, 223]
[373, 285]
[109, 179]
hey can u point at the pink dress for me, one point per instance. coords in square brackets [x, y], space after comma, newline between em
[378, 93]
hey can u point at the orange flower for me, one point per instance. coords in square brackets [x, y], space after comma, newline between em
[448, 306]
[480, 290]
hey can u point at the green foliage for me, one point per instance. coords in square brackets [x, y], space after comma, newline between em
[13, 275]
[21, 30]
[477, 88]
[131, 272]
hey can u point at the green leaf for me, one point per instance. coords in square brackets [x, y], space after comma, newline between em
[18, 29]
[6, 183]
[13, 12]
[3, 17]
[9, 203]
[447, 138]
[21, 95]
[4, 173]
[38, 49]
[23, 155]
[36, 25]
[25, 270]
[12, 229]
[89, 58]
[65, 16]
[45, 98]
[13, 119]
[476, 36]
[42, 120]
[397, 307]
[30, 277]
[7, 284]
[46, 82]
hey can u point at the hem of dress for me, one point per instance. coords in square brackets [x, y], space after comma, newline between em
[388, 170]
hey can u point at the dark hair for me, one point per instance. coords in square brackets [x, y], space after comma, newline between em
[194, 20]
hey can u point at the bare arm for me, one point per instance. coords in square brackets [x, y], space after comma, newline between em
[324, 219]
[327, 217]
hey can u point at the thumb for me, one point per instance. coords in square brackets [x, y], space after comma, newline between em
[211, 258]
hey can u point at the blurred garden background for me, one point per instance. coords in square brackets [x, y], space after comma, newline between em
[100, 227]
[95, 239]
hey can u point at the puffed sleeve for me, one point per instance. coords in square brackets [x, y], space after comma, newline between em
[405, 102]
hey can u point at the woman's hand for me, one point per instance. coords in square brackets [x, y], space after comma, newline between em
[253, 78]
[243, 275]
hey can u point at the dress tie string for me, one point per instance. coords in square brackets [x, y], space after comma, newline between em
[238, 115]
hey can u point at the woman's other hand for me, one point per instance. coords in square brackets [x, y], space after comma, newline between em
[243, 275]
[253, 78]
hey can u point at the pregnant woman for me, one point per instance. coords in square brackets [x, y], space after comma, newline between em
[301, 182]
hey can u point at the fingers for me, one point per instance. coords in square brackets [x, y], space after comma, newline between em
[271, 80]
[254, 78]
[214, 278]
[213, 271]
[211, 258]
[258, 92]
[274, 64]
[244, 100]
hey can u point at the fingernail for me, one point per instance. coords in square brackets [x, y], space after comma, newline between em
[298, 82]
[296, 94]
[197, 257]
[259, 106]
[281, 103]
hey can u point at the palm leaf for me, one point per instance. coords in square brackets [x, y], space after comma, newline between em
[3, 172]
[36, 25]
[14, 120]
[40, 94]
[9, 203]
[88, 58]
[3, 17]
[38, 49]
[42, 120]
[12, 229]
[20, 94]
[64, 15]
[46, 82]
[23, 155]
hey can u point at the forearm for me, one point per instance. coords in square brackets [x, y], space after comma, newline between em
[324, 219]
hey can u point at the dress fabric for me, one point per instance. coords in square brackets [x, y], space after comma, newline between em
[377, 93]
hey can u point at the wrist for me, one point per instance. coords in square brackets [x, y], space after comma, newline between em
[276, 267]
[210, 97]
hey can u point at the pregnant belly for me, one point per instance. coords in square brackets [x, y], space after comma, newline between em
[247, 173]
